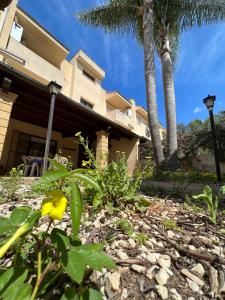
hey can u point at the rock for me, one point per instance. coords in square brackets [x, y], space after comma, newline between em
[162, 277]
[132, 243]
[192, 277]
[162, 291]
[199, 270]
[170, 234]
[151, 258]
[164, 261]
[124, 244]
[151, 272]
[114, 280]
[122, 255]
[191, 247]
[138, 269]
[175, 295]
[193, 286]
[124, 294]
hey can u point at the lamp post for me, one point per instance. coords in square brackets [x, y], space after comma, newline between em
[209, 102]
[54, 89]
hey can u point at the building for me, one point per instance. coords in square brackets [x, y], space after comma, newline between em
[31, 58]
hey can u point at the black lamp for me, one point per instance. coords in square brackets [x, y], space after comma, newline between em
[54, 88]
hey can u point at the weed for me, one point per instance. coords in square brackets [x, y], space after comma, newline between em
[125, 226]
[141, 238]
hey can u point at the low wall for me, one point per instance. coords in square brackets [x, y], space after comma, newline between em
[180, 189]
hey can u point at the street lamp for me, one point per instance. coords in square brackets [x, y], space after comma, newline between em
[54, 89]
[209, 102]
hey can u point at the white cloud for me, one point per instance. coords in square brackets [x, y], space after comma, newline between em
[197, 110]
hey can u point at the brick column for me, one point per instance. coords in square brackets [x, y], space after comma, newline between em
[6, 103]
[102, 149]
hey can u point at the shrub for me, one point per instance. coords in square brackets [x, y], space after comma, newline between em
[117, 186]
[9, 185]
[50, 264]
[211, 201]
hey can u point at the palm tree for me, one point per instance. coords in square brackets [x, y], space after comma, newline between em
[135, 16]
[157, 23]
[173, 17]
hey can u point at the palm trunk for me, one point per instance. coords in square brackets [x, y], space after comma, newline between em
[170, 105]
[148, 32]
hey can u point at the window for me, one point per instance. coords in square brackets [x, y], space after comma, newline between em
[139, 121]
[86, 104]
[88, 76]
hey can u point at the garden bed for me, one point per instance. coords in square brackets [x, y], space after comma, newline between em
[168, 252]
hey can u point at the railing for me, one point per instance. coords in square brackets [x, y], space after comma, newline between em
[34, 63]
[120, 117]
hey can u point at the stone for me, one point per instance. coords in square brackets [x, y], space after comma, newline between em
[170, 234]
[124, 244]
[192, 277]
[114, 280]
[132, 242]
[199, 270]
[162, 277]
[122, 255]
[193, 286]
[175, 295]
[164, 261]
[138, 269]
[151, 272]
[151, 258]
[162, 291]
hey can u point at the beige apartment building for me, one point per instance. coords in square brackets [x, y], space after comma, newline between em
[31, 58]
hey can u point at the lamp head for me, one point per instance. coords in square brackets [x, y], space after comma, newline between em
[54, 87]
[209, 102]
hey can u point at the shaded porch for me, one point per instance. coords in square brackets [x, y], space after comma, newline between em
[25, 131]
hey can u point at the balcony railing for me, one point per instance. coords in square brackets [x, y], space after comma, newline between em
[34, 63]
[118, 116]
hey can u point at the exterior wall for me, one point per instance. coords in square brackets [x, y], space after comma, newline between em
[83, 87]
[68, 146]
[130, 147]
[6, 103]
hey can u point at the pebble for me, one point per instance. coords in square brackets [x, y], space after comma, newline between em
[199, 270]
[193, 286]
[164, 261]
[162, 291]
[175, 295]
[151, 272]
[137, 268]
[192, 277]
[151, 258]
[114, 280]
[122, 255]
[132, 242]
[162, 277]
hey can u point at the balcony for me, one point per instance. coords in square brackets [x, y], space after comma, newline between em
[33, 65]
[118, 116]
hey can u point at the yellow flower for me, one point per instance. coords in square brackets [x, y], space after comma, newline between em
[54, 205]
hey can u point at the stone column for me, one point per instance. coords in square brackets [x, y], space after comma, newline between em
[6, 103]
[102, 149]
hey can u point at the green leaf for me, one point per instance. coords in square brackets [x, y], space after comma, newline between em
[70, 294]
[21, 291]
[207, 190]
[98, 260]
[61, 240]
[88, 180]
[57, 165]
[19, 215]
[92, 294]
[80, 171]
[5, 278]
[75, 266]
[90, 247]
[222, 190]
[76, 208]
[97, 200]
[34, 218]
[6, 226]
[16, 280]
[51, 176]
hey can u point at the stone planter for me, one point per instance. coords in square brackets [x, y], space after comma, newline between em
[180, 189]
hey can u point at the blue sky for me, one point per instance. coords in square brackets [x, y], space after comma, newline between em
[200, 68]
